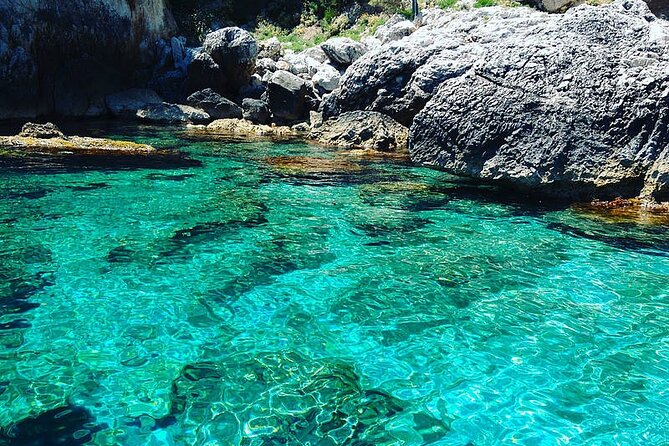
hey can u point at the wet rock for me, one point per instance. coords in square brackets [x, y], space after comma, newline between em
[234, 51]
[287, 96]
[243, 128]
[47, 149]
[172, 114]
[214, 104]
[127, 102]
[343, 51]
[46, 130]
[256, 111]
[363, 130]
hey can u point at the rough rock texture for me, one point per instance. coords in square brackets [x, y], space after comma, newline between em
[256, 111]
[65, 57]
[395, 29]
[287, 96]
[362, 130]
[573, 104]
[270, 49]
[234, 51]
[555, 5]
[172, 114]
[236, 128]
[42, 131]
[343, 51]
[203, 73]
[214, 104]
[126, 103]
[43, 146]
[327, 78]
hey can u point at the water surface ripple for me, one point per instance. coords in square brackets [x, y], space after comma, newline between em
[266, 299]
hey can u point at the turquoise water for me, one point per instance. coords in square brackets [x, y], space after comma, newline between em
[367, 302]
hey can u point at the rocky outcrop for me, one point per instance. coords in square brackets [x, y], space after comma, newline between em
[40, 146]
[238, 128]
[343, 51]
[234, 51]
[287, 96]
[555, 5]
[256, 111]
[56, 57]
[216, 106]
[572, 105]
[126, 103]
[362, 130]
[172, 114]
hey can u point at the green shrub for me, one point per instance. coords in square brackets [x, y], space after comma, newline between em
[446, 4]
[484, 3]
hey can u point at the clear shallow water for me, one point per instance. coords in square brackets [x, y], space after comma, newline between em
[364, 303]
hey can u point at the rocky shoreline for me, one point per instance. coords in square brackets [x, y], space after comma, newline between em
[573, 105]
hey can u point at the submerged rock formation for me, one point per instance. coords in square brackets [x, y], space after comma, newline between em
[65, 57]
[573, 105]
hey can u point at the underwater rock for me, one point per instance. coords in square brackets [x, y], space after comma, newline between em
[65, 425]
[322, 402]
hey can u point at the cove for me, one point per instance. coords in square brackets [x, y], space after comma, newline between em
[256, 298]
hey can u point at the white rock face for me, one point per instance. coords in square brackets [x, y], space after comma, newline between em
[327, 78]
[394, 31]
[343, 51]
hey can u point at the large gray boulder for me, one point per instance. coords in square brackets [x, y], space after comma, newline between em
[287, 96]
[362, 130]
[235, 52]
[172, 114]
[126, 103]
[572, 105]
[216, 106]
[256, 111]
[270, 49]
[343, 51]
[204, 72]
[327, 78]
